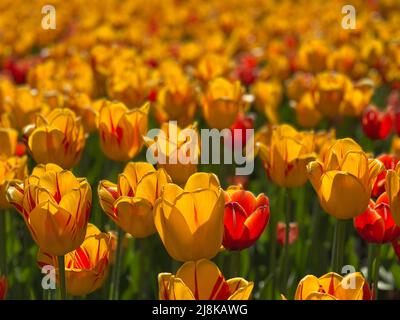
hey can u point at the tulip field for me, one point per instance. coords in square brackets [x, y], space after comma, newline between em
[200, 150]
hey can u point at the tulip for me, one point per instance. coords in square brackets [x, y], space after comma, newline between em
[313, 56]
[11, 168]
[3, 287]
[357, 98]
[344, 179]
[121, 130]
[390, 162]
[130, 202]
[221, 103]
[58, 138]
[268, 96]
[190, 221]
[242, 123]
[86, 267]
[55, 206]
[330, 92]
[376, 224]
[176, 100]
[8, 142]
[392, 187]
[211, 66]
[299, 85]
[307, 114]
[333, 286]
[245, 218]
[202, 280]
[376, 124]
[281, 232]
[177, 150]
[286, 156]
[247, 69]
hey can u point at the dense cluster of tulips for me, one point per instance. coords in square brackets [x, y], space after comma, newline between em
[318, 218]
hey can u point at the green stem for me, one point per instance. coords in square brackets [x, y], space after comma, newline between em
[235, 263]
[61, 270]
[377, 263]
[338, 245]
[3, 245]
[371, 257]
[114, 288]
[285, 263]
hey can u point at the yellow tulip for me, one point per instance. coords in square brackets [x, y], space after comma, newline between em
[333, 286]
[8, 141]
[392, 187]
[55, 206]
[300, 84]
[268, 97]
[357, 98]
[176, 100]
[307, 114]
[57, 138]
[190, 220]
[130, 202]
[286, 156]
[176, 146]
[11, 168]
[86, 268]
[211, 66]
[24, 107]
[331, 89]
[121, 130]
[344, 178]
[313, 56]
[221, 103]
[202, 280]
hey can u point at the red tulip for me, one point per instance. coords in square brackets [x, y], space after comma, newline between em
[377, 124]
[245, 218]
[376, 224]
[242, 123]
[247, 69]
[3, 287]
[281, 232]
[389, 161]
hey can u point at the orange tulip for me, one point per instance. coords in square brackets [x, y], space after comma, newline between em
[86, 267]
[10, 169]
[121, 130]
[130, 202]
[202, 280]
[57, 138]
[55, 206]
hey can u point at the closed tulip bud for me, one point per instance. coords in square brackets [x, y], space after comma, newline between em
[392, 187]
[281, 232]
[376, 124]
[121, 130]
[344, 179]
[55, 206]
[286, 156]
[189, 221]
[312, 56]
[130, 202]
[8, 142]
[300, 84]
[11, 168]
[307, 114]
[390, 162]
[211, 66]
[202, 280]
[3, 287]
[177, 150]
[329, 93]
[245, 218]
[376, 224]
[333, 286]
[86, 268]
[268, 97]
[176, 100]
[57, 138]
[24, 107]
[221, 103]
